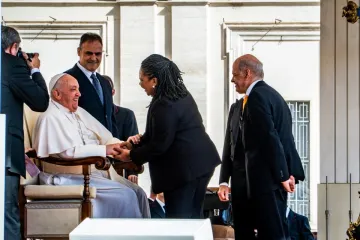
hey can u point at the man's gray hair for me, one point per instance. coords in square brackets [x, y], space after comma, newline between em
[255, 67]
[9, 36]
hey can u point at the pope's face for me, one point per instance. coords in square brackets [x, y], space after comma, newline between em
[67, 93]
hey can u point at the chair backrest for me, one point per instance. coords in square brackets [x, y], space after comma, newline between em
[30, 118]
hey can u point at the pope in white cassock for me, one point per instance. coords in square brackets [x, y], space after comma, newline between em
[68, 131]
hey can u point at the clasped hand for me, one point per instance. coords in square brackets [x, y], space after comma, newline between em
[119, 151]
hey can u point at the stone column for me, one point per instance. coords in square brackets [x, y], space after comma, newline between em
[339, 121]
[137, 41]
[189, 50]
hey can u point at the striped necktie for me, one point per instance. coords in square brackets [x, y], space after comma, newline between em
[97, 86]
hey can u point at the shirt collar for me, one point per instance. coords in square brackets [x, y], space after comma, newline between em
[248, 91]
[287, 212]
[61, 107]
[85, 71]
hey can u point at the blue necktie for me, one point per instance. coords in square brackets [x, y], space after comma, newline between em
[97, 87]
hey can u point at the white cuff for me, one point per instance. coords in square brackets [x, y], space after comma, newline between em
[34, 70]
[224, 184]
[90, 150]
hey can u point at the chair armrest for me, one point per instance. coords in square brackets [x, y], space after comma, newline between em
[100, 163]
[119, 166]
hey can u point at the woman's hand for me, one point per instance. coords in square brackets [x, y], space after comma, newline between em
[135, 139]
[124, 155]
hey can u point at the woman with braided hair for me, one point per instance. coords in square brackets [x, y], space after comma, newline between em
[181, 155]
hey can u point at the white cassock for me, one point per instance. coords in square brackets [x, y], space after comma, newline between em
[59, 132]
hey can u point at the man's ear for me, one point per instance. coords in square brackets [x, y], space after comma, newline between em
[247, 73]
[13, 49]
[56, 94]
[78, 51]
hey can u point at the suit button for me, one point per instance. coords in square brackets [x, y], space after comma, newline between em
[105, 116]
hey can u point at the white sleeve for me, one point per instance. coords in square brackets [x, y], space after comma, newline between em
[224, 184]
[84, 151]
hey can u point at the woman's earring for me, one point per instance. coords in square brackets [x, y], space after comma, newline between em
[153, 86]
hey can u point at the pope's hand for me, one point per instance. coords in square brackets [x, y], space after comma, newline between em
[123, 155]
[126, 145]
[112, 149]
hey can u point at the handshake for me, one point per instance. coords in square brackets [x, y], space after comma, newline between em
[121, 151]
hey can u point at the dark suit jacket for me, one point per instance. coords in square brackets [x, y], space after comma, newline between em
[125, 122]
[126, 126]
[270, 152]
[175, 144]
[17, 88]
[299, 227]
[90, 100]
[156, 210]
[233, 158]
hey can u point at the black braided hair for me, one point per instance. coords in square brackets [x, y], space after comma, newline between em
[169, 81]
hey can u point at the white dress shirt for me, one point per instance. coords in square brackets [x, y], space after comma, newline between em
[160, 203]
[34, 70]
[86, 72]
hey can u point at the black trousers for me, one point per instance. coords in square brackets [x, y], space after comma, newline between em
[266, 213]
[187, 201]
[12, 217]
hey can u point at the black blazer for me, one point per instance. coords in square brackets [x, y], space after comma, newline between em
[175, 144]
[126, 126]
[299, 227]
[125, 122]
[90, 100]
[156, 210]
[270, 152]
[233, 165]
[17, 88]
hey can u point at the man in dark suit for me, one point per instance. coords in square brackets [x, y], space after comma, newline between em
[96, 97]
[21, 82]
[259, 156]
[299, 226]
[157, 209]
[126, 124]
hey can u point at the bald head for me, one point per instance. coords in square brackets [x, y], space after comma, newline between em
[66, 92]
[246, 70]
[250, 62]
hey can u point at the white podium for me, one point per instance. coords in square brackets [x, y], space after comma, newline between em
[143, 229]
